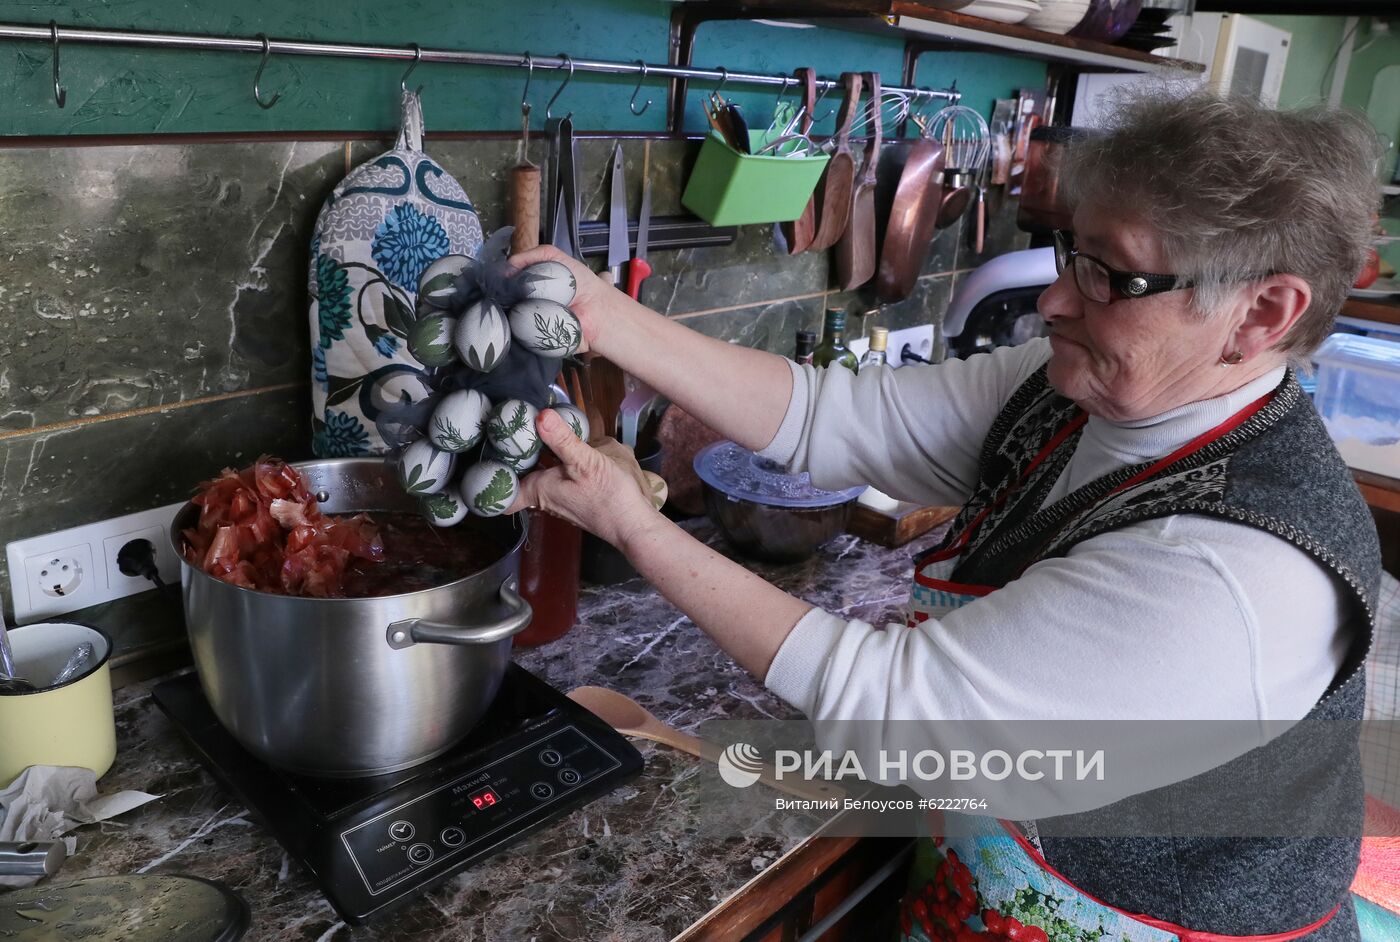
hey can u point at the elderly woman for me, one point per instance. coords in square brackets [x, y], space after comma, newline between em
[1154, 522]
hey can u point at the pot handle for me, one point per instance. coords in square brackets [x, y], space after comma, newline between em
[411, 631]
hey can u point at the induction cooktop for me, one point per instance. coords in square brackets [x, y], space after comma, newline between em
[374, 843]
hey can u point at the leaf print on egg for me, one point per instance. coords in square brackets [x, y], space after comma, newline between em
[483, 336]
[430, 340]
[575, 417]
[424, 469]
[406, 243]
[332, 300]
[511, 429]
[443, 509]
[437, 285]
[489, 487]
[458, 420]
[547, 328]
[550, 281]
[340, 436]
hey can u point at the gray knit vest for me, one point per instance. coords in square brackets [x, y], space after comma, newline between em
[1277, 471]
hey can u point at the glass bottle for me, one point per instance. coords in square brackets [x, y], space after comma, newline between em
[875, 356]
[833, 347]
[549, 574]
[806, 346]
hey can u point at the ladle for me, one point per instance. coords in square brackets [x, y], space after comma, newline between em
[630, 718]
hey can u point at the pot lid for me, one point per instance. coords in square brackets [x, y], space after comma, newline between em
[152, 907]
[736, 472]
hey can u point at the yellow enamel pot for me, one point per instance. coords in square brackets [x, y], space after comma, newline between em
[68, 725]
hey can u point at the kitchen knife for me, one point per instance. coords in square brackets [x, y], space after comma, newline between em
[563, 205]
[617, 219]
[639, 269]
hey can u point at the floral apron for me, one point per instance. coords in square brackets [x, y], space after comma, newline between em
[991, 881]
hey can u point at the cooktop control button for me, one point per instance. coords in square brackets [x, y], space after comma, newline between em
[401, 831]
[550, 758]
[452, 837]
[568, 777]
[420, 854]
[542, 790]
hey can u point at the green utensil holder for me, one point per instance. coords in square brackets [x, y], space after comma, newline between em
[728, 188]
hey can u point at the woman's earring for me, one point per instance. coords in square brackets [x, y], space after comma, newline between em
[1232, 359]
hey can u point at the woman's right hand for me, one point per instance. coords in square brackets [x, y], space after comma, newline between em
[594, 295]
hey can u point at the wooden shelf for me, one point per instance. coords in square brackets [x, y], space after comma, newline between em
[1386, 311]
[913, 17]
[1380, 491]
[923, 20]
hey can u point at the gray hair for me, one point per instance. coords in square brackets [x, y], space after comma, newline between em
[1235, 189]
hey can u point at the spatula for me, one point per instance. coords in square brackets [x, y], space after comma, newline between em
[834, 190]
[630, 718]
[855, 250]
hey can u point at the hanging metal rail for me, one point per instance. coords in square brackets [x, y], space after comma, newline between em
[261, 45]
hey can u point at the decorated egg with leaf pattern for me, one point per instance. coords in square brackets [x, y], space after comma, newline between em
[510, 428]
[489, 487]
[424, 469]
[438, 283]
[518, 465]
[574, 416]
[546, 327]
[458, 421]
[550, 281]
[444, 509]
[430, 340]
[483, 336]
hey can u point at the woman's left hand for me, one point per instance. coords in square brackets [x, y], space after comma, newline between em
[587, 488]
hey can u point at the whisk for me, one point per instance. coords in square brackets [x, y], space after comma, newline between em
[963, 134]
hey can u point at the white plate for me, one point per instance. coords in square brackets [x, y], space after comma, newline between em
[1002, 11]
[1380, 288]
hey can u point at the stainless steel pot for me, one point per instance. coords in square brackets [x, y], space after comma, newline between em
[353, 687]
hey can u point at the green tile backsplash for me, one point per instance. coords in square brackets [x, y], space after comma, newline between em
[153, 313]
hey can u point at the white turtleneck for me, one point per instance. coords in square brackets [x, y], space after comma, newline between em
[1186, 617]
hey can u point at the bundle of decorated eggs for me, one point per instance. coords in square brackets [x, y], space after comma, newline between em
[470, 312]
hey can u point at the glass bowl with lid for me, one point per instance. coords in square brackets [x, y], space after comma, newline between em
[763, 511]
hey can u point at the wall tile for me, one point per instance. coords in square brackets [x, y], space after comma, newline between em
[58, 478]
[683, 281]
[925, 305]
[772, 327]
[1002, 234]
[145, 275]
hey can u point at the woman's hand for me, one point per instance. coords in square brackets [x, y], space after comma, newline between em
[587, 489]
[595, 295]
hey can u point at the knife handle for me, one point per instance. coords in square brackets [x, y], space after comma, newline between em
[525, 208]
[638, 271]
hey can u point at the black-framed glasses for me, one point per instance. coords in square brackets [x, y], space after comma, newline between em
[1102, 284]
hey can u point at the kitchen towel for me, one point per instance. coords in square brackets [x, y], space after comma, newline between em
[385, 222]
[48, 801]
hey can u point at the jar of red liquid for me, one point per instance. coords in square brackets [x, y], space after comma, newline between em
[549, 570]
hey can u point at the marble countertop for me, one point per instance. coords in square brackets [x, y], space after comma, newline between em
[630, 865]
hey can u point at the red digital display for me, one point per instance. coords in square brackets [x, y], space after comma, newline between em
[484, 799]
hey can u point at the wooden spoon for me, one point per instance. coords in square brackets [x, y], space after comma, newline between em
[630, 718]
[834, 190]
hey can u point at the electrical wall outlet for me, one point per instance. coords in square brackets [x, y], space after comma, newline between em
[920, 340]
[72, 569]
